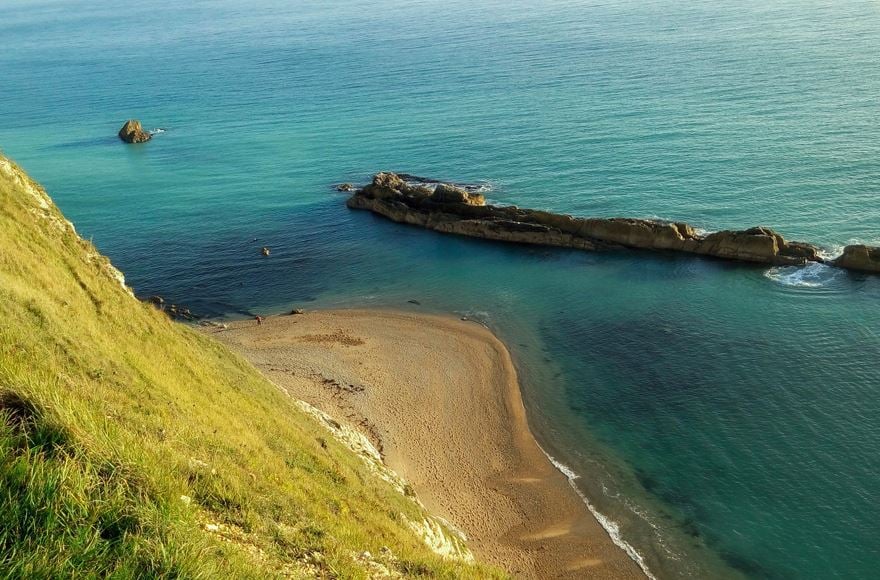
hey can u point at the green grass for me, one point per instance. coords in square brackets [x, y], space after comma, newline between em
[133, 446]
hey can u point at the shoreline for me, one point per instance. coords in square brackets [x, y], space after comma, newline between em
[610, 526]
[476, 462]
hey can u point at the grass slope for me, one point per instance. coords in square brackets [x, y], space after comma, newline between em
[132, 446]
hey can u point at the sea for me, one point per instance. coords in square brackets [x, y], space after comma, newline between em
[721, 419]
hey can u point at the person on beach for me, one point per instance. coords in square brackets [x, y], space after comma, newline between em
[259, 320]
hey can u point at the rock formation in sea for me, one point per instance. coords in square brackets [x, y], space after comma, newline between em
[132, 132]
[451, 209]
[860, 257]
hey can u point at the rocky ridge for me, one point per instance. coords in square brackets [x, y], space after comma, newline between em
[457, 210]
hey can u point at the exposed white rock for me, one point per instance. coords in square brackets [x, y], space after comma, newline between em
[440, 540]
[440, 536]
[356, 442]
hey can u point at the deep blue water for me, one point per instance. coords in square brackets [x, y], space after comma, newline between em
[727, 417]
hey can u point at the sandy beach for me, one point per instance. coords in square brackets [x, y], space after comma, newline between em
[439, 398]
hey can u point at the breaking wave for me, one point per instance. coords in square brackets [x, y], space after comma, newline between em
[813, 275]
[610, 526]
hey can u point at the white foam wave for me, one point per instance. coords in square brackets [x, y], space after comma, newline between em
[478, 187]
[479, 316]
[830, 252]
[813, 275]
[610, 526]
[157, 131]
[482, 187]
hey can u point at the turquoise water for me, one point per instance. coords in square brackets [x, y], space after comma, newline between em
[726, 417]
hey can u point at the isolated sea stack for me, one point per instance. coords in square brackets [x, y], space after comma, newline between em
[132, 132]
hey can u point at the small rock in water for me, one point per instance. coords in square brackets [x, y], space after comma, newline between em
[416, 302]
[345, 187]
[133, 132]
[265, 251]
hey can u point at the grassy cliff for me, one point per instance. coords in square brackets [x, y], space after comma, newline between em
[131, 445]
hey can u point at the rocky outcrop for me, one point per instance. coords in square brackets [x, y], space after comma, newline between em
[444, 193]
[454, 210]
[860, 257]
[132, 132]
[175, 311]
[761, 245]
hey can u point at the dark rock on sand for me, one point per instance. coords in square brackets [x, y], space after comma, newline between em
[132, 132]
[180, 312]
